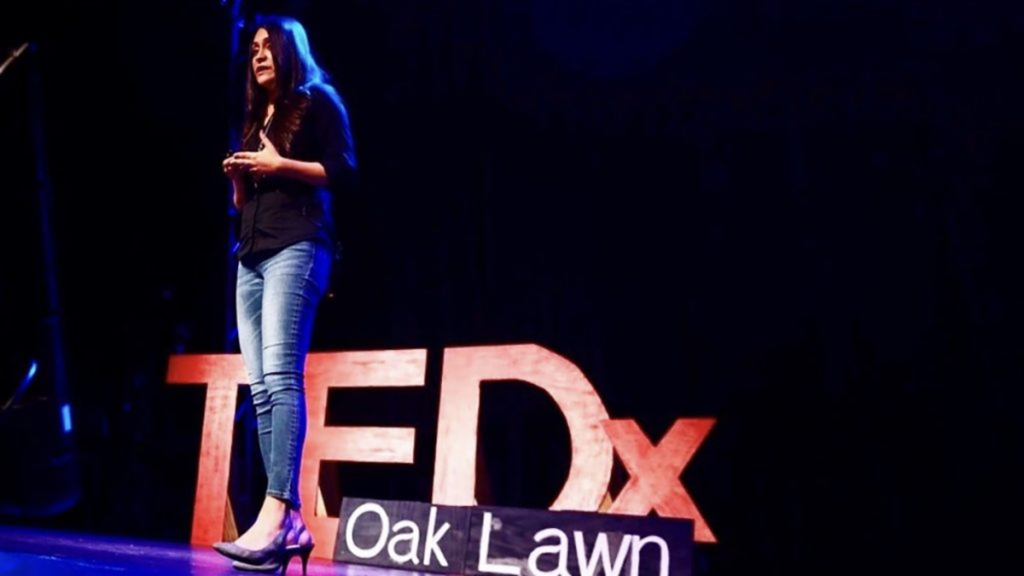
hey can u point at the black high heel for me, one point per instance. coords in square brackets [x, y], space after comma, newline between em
[272, 566]
[302, 552]
[282, 562]
[264, 555]
[274, 556]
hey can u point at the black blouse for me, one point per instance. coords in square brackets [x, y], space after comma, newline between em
[281, 211]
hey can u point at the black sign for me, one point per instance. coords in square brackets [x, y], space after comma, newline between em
[409, 535]
[484, 541]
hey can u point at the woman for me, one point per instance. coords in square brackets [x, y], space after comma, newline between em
[297, 158]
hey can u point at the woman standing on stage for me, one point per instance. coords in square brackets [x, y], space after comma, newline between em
[297, 160]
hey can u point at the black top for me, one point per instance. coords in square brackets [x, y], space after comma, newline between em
[281, 211]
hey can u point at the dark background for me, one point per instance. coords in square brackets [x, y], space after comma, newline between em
[799, 218]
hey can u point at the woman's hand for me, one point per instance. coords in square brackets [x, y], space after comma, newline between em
[232, 168]
[266, 162]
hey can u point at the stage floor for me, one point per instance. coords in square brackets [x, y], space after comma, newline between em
[31, 552]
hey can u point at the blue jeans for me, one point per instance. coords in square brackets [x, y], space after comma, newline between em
[276, 300]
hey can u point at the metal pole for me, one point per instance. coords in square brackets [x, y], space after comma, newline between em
[52, 315]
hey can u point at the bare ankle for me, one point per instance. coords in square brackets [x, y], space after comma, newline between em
[276, 505]
[271, 503]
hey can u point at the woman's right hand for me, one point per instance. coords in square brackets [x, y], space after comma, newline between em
[233, 168]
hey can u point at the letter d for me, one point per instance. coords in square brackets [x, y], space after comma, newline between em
[464, 371]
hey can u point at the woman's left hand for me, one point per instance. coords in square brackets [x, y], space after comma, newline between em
[259, 164]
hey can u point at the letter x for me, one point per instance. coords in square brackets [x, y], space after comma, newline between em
[654, 471]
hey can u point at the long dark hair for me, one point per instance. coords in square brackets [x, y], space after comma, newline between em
[296, 72]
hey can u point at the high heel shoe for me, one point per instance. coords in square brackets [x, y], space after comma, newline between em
[302, 547]
[264, 555]
[277, 554]
[279, 564]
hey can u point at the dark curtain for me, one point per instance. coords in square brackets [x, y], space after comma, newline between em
[796, 217]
